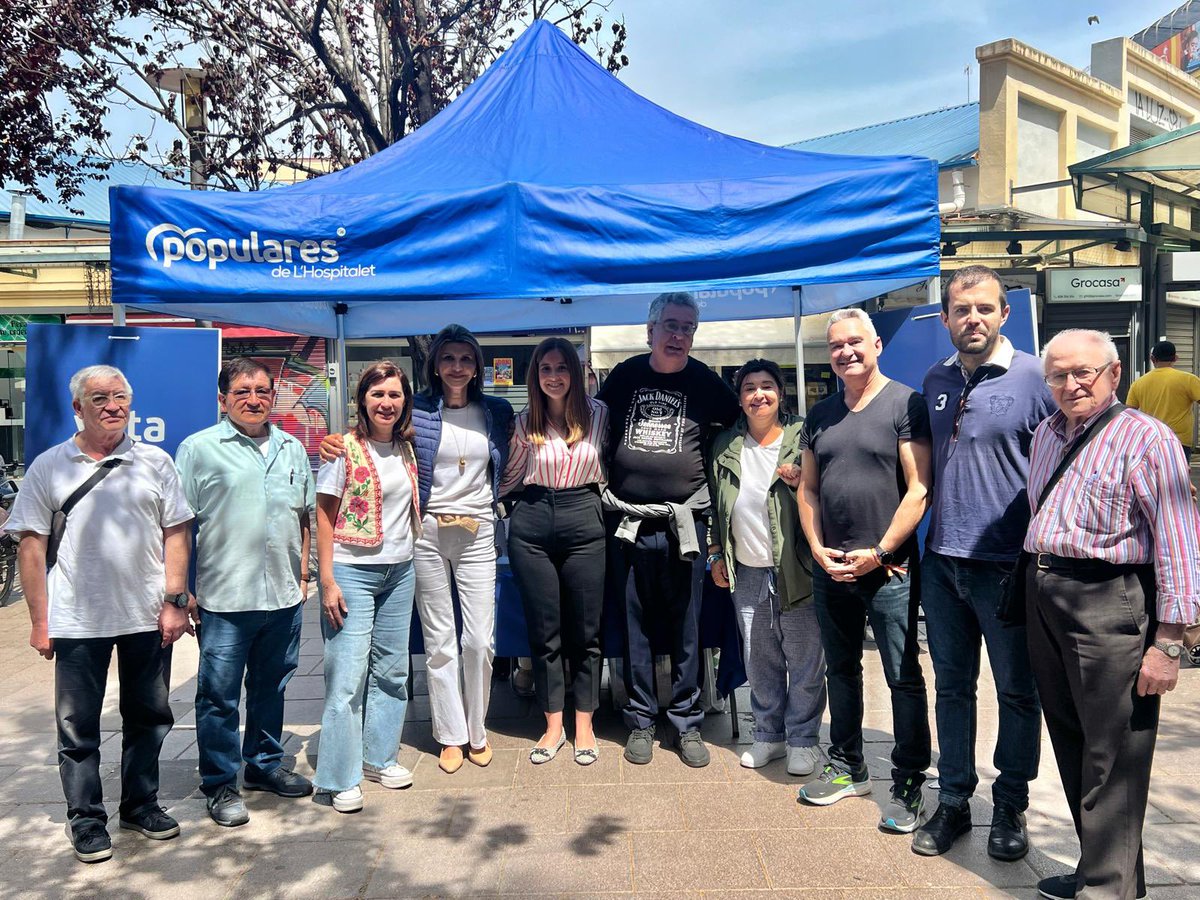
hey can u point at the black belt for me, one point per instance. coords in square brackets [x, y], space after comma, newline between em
[1072, 565]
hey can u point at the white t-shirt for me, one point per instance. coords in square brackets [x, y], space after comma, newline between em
[751, 523]
[397, 543]
[466, 491]
[109, 579]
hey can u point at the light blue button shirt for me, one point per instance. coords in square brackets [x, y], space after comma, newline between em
[248, 509]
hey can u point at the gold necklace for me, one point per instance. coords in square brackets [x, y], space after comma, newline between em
[462, 453]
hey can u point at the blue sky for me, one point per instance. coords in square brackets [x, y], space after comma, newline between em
[777, 71]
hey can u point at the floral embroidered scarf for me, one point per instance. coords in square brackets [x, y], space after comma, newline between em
[360, 516]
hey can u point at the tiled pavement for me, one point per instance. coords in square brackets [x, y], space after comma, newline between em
[662, 830]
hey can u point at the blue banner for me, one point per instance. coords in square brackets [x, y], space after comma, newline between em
[173, 372]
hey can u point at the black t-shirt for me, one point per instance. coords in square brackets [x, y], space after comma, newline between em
[661, 428]
[858, 463]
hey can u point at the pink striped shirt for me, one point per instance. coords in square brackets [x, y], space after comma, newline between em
[553, 464]
[1125, 499]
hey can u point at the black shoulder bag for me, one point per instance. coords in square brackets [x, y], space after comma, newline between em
[1011, 608]
[58, 524]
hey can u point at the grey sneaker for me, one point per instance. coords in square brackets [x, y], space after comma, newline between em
[903, 812]
[833, 784]
[639, 749]
[227, 808]
[692, 750]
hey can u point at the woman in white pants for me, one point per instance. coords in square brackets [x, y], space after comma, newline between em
[462, 438]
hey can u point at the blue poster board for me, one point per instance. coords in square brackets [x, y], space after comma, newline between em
[173, 372]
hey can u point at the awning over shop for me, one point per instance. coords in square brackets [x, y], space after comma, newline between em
[547, 195]
[1155, 182]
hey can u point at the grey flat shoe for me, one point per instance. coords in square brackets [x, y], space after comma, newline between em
[585, 756]
[541, 755]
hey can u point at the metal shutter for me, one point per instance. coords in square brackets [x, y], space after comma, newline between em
[1181, 331]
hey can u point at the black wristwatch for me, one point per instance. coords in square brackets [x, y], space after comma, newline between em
[179, 600]
[886, 557]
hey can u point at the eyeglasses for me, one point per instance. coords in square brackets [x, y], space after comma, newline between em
[99, 401]
[1084, 375]
[246, 393]
[672, 327]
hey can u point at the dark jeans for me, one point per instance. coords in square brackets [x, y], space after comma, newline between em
[1087, 635]
[843, 608]
[80, 671]
[265, 647]
[662, 611]
[556, 548]
[960, 598]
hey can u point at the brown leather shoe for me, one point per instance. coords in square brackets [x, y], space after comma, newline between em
[450, 760]
[480, 757]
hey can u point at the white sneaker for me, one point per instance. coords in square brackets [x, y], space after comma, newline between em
[392, 777]
[803, 760]
[762, 752]
[348, 801]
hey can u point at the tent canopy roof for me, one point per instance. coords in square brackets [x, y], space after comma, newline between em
[546, 178]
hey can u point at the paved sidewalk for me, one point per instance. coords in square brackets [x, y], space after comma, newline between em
[613, 829]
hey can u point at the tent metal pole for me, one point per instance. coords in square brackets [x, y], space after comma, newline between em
[934, 289]
[338, 418]
[118, 315]
[801, 400]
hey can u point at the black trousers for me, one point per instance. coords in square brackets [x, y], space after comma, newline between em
[661, 613]
[80, 671]
[1087, 635]
[556, 548]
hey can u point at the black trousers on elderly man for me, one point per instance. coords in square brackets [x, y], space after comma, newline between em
[1089, 624]
[80, 674]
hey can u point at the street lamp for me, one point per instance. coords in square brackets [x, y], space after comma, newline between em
[189, 84]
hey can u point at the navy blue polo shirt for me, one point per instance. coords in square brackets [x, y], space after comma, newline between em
[980, 509]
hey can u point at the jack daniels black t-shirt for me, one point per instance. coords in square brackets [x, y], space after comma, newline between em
[661, 428]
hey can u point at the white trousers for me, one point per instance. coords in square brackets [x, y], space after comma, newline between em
[458, 708]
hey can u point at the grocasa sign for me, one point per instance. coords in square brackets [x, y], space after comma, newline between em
[1112, 284]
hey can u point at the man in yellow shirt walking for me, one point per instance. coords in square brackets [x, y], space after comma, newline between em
[1168, 394]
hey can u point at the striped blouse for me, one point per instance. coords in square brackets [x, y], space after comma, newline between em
[1125, 499]
[553, 464]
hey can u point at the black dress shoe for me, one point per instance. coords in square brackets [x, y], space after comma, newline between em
[281, 781]
[1008, 839]
[945, 826]
[1064, 887]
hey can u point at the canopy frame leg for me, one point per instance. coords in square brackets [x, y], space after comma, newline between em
[801, 389]
[338, 416]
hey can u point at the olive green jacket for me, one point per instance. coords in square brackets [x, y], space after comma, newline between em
[793, 561]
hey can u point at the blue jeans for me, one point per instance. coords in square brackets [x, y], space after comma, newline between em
[365, 659]
[263, 645]
[890, 604]
[784, 662]
[960, 598]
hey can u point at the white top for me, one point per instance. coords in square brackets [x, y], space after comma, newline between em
[397, 543]
[554, 464]
[264, 443]
[751, 525]
[112, 550]
[466, 491]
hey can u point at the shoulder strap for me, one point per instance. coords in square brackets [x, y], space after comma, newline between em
[96, 477]
[1094, 429]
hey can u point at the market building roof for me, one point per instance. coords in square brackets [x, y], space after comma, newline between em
[950, 136]
[90, 208]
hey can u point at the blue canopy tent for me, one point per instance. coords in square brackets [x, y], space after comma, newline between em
[546, 179]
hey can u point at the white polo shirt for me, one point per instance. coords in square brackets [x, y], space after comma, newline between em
[109, 579]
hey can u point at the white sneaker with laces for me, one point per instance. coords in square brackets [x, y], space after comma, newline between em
[348, 801]
[762, 752]
[392, 777]
[803, 760]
